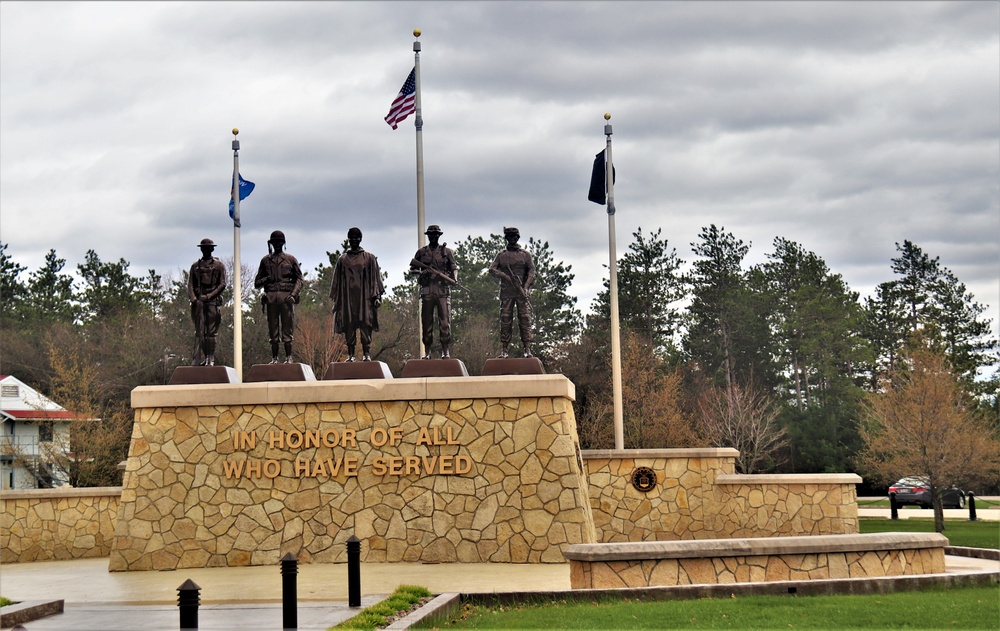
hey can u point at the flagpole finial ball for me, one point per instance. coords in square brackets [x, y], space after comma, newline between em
[607, 116]
[236, 131]
[416, 32]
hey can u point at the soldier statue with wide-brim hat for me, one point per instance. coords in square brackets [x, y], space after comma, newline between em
[437, 272]
[206, 282]
[516, 271]
[357, 294]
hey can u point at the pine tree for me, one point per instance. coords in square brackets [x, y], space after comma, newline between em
[649, 286]
[929, 298]
[728, 331]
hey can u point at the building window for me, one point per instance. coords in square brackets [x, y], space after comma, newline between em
[10, 391]
[45, 432]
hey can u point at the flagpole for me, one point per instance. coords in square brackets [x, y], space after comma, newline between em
[237, 280]
[616, 353]
[419, 125]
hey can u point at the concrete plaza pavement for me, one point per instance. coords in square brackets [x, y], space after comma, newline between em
[245, 598]
[249, 598]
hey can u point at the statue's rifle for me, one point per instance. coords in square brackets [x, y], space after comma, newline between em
[516, 281]
[424, 266]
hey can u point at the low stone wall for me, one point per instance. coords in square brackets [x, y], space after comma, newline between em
[785, 504]
[697, 495]
[57, 524]
[715, 561]
[473, 469]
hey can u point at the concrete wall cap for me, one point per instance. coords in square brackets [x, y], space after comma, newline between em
[789, 478]
[712, 452]
[60, 492]
[422, 389]
[709, 548]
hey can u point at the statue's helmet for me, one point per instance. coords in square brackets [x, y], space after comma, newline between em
[277, 237]
[354, 233]
[433, 229]
[511, 230]
[206, 243]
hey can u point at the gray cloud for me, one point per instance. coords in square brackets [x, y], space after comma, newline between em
[846, 127]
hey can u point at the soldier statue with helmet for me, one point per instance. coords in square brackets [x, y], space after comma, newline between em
[516, 271]
[280, 276]
[206, 282]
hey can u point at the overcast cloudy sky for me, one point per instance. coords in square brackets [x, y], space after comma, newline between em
[843, 126]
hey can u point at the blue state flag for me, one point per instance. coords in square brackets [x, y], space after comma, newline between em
[246, 187]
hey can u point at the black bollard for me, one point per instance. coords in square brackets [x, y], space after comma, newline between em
[354, 571]
[289, 595]
[187, 602]
[893, 509]
[972, 506]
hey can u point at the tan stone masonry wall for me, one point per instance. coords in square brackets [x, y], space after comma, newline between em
[698, 496]
[524, 498]
[57, 524]
[708, 562]
[709, 571]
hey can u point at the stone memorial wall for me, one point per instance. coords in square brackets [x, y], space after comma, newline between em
[422, 470]
[697, 495]
[57, 524]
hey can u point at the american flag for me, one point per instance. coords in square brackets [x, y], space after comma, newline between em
[405, 102]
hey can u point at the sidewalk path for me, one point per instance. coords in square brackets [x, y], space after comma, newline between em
[952, 514]
[249, 598]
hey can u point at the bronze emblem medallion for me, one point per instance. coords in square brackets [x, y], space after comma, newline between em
[644, 479]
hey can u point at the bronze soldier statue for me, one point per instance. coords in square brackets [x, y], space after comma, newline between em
[206, 282]
[516, 271]
[438, 272]
[280, 276]
[357, 294]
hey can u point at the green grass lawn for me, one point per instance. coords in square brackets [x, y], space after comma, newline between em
[981, 504]
[958, 608]
[973, 534]
[961, 608]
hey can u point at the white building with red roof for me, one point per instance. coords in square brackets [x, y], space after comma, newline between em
[35, 430]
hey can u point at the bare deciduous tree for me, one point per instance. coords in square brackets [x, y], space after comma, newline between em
[651, 412]
[743, 417]
[921, 423]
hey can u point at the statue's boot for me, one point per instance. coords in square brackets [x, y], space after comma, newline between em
[350, 354]
[445, 352]
[274, 352]
[210, 352]
[288, 353]
[527, 350]
[366, 354]
[504, 352]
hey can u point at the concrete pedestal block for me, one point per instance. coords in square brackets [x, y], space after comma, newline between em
[187, 375]
[280, 372]
[415, 368]
[357, 370]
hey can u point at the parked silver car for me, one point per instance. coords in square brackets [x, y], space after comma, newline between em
[914, 490]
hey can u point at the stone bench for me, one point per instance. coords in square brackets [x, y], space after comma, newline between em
[715, 561]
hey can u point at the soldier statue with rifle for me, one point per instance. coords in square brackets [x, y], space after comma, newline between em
[206, 282]
[280, 276]
[516, 271]
[437, 271]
